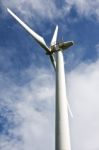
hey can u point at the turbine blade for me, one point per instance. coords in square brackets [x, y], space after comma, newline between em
[52, 58]
[69, 109]
[37, 37]
[54, 39]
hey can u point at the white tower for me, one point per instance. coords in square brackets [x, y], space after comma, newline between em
[62, 124]
[55, 52]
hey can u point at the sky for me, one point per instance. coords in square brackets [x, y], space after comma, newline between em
[27, 77]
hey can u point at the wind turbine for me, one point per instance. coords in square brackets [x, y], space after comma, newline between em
[55, 52]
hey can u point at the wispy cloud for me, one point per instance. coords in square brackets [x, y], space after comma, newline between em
[27, 112]
[27, 109]
[74, 57]
[88, 9]
[41, 8]
[83, 93]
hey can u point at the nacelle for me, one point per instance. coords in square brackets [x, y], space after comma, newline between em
[65, 45]
[61, 46]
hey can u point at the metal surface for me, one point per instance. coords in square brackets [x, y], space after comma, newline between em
[62, 136]
[37, 37]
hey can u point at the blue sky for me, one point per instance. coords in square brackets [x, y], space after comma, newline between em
[27, 78]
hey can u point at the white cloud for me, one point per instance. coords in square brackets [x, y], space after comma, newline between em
[31, 8]
[30, 109]
[85, 8]
[83, 88]
[42, 9]
[32, 104]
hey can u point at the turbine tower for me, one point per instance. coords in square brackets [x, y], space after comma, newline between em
[55, 52]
